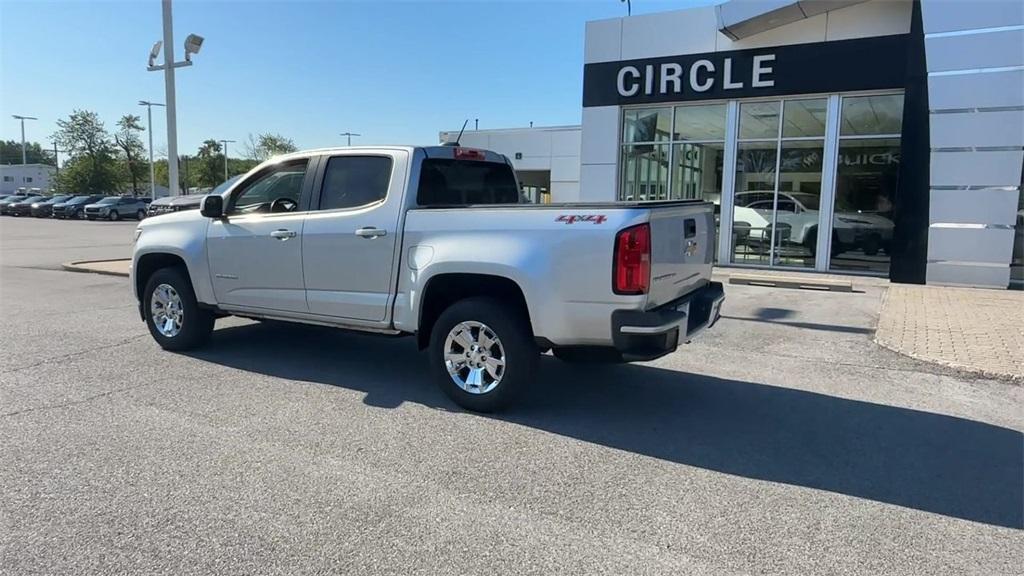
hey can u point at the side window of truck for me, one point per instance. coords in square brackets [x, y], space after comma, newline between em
[355, 181]
[277, 189]
[459, 182]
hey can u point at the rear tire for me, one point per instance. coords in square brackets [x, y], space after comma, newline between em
[140, 215]
[190, 326]
[498, 342]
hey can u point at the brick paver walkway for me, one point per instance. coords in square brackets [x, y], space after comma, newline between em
[977, 330]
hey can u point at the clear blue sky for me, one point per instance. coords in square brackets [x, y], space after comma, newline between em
[396, 72]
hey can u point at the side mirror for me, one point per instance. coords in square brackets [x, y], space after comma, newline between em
[212, 206]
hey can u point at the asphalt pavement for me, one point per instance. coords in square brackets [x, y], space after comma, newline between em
[783, 442]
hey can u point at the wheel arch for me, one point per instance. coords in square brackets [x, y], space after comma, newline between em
[445, 289]
[149, 263]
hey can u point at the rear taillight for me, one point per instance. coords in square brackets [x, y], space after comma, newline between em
[632, 269]
[469, 154]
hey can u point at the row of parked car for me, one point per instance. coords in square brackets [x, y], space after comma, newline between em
[97, 206]
[93, 207]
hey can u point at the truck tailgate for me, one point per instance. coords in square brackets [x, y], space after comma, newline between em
[682, 248]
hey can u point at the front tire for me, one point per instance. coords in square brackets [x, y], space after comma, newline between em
[172, 312]
[482, 354]
[114, 216]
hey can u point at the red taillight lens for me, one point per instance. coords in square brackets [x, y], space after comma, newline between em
[469, 154]
[632, 272]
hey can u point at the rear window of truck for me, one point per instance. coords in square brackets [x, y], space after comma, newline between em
[445, 182]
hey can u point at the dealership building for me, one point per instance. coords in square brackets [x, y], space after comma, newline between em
[878, 137]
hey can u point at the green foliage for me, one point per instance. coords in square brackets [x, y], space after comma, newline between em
[267, 145]
[190, 178]
[93, 166]
[132, 165]
[10, 153]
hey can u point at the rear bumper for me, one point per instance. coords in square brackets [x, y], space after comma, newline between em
[650, 334]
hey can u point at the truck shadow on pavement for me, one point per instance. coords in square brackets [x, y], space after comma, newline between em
[941, 464]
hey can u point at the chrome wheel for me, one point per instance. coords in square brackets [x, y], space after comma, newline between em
[166, 310]
[474, 357]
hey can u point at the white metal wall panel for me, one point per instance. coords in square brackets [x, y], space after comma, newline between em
[985, 245]
[528, 143]
[996, 128]
[976, 168]
[565, 142]
[600, 138]
[973, 51]
[878, 18]
[954, 15]
[669, 33]
[987, 206]
[597, 182]
[968, 275]
[565, 191]
[603, 41]
[989, 90]
[565, 168]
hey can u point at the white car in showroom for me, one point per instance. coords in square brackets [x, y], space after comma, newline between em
[798, 223]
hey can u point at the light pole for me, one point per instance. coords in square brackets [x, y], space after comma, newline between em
[56, 163]
[23, 118]
[225, 143]
[349, 135]
[149, 128]
[192, 45]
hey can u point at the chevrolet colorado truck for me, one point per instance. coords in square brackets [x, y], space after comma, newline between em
[434, 242]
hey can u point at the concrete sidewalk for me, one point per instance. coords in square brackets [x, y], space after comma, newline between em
[977, 330]
[118, 267]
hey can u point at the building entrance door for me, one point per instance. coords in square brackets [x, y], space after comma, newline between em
[779, 164]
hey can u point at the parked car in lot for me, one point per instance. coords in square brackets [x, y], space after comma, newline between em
[169, 204]
[187, 202]
[74, 207]
[44, 208]
[432, 242]
[21, 206]
[10, 200]
[797, 223]
[117, 207]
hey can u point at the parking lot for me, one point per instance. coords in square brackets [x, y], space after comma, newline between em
[784, 442]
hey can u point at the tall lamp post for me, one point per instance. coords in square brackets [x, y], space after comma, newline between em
[149, 128]
[225, 143]
[192, 45]
[349, 135]
[56, 163]
[23, 118]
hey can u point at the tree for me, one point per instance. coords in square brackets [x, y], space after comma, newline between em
[128, 140]
[92, 167]
[10, 153]
[209, 164]
[267, 145]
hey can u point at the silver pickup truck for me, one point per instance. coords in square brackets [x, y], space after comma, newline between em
[434, 242]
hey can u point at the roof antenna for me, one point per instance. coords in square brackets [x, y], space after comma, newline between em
[459, 137]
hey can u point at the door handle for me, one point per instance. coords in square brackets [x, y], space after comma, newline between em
[370, 232]
[282, 234]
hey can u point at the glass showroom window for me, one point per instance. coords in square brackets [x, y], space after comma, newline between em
[867, 172]
[672, 153]
[779, 158]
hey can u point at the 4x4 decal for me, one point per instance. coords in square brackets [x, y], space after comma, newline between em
[574, 218]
